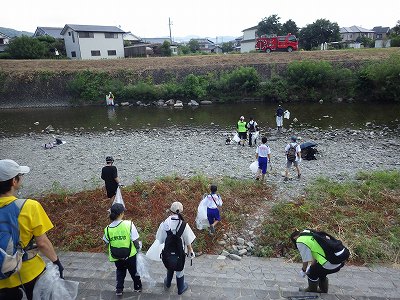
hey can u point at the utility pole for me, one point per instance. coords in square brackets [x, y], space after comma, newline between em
[169, 24]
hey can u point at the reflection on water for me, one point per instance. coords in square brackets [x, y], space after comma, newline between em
[224, 116]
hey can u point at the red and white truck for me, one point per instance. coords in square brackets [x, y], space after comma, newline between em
[268, 43]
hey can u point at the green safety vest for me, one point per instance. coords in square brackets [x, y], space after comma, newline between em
[316, 250]
[242, 126]
[119, 237]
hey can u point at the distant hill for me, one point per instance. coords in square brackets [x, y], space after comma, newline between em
[13, 33]
[221, 39]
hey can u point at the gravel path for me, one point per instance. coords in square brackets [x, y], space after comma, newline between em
[147, 155]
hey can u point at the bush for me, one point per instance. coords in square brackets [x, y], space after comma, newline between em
[243, 80]
[395, 42]
[194, 87]
[5, 55]
[141, 91]
[275, 89]
[90, 86]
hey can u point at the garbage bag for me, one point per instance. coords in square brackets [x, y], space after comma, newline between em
[236, 138]
[118, 197]
[142, 267]
[155, 250]
[255, 136]
[201, 218]
[286, 114]
[50, 286]
[254, 166]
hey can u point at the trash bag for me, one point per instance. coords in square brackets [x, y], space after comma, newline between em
[155, 250]
[236, 138]
[118, 197]
[254, 167]
[50, 286]
[201, 218]
[286, 114]
[254, 137]
[142, 267]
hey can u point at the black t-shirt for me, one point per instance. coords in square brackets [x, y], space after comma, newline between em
[108, 174]
[279, 112]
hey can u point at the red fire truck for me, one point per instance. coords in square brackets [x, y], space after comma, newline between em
[268, 43]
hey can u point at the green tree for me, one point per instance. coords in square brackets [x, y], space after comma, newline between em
[183, 49]
[269, 25]
[227, 47]
[52, 45]
[165, 49]
[194, 45]
[395, 31]
[26, 47]
[366, 41]
[319, 32]
[290, 27]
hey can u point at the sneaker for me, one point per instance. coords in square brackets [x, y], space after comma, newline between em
[286, 179]
[138, 290]
[119, 292]
[298, 176]
[212, 229]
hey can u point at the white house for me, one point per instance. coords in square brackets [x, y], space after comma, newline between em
[93, 42]
[4, 40]
[248, 42]
[54, 32]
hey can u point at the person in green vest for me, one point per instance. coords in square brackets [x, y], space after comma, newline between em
[122, 239]
[315, 266]
[242, 131]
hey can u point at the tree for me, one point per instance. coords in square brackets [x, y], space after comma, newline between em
[290, 27]
[366, 41]
[194, 45]
[26, 47]
[395, 31]
[227, 47]
[319, 32]
[165, 49]
[269, 25]
[183, 49]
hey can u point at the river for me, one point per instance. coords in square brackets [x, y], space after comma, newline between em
[222, 116]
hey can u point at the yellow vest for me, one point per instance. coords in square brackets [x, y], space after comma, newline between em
[242, 126]
[120, 237]
[316, 250]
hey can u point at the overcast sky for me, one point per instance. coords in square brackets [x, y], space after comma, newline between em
[203, 18]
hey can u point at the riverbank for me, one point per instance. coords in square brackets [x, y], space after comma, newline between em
[149, 154]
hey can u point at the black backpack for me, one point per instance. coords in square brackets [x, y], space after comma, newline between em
[173, 255]
[291, 153]
[335, 251]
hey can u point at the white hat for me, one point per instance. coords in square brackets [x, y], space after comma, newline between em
[9, 169]
[241, 118]
[176, 207]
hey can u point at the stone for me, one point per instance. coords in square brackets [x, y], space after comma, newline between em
[240, 241]
[242, 252]
[205, 102]
[235, 257]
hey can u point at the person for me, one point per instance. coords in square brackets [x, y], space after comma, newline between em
[109, 174]
[279, 117]
[173, 223]
[122, 239]
[242, 131]
[213, 201]
[297, 159]
[33, 224]
[110, 99]
[315, 266]
[252, 127]
[263, 155]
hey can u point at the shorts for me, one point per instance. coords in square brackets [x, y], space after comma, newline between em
[279, 121]
[242, 135]
[111, 191]
[213, 215]
[289, 164]
[262, 164]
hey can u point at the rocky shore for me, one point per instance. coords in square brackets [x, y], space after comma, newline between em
[147, 155]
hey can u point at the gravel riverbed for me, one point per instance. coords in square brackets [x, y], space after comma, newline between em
[150, 154]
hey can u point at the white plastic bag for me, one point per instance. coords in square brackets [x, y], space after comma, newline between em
[118, 197]
[254, 167]
[201, 218]
[254, 136]
[236, 138]
[286, 114]
[155, 250]
[142, 268]
[50, 286]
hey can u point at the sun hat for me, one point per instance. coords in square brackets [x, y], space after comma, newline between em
[176, 207]
[9, 169]
[117, 209]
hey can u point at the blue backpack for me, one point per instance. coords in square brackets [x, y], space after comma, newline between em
[11, 251]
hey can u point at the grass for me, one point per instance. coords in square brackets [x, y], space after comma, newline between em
[364, 214]
[80, 218]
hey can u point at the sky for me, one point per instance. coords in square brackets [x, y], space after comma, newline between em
[202, 18]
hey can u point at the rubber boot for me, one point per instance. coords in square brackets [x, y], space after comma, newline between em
[312, 287]
[168, 279]
[182, 285]
[323, 285]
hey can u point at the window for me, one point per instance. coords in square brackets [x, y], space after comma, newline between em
[69, 33]
[109, 35]
[73, 37]
[112, 52]
[73, 53]
[95, 52]
[281, 38]
[1, 41]
[86, 34]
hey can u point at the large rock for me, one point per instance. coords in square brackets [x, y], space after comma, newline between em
[205, 102]
[193, 103]
[170, 102]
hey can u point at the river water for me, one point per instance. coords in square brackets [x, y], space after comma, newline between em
[223, 116]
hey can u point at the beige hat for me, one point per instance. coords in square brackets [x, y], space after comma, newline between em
[176, 207]
[9, 169]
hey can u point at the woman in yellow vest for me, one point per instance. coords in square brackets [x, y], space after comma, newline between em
[242, 130]
[315, 265]
[122, 238]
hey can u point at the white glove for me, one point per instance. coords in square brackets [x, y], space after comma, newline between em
[192, 255]
[302, 273]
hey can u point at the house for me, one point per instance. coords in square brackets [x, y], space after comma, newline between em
[248, 43]
[381, 36]
[54, 32]
[351, 35]
[93, 41]
[237, 43]
[4, 40]
[207, 46]
[131, 39]
[157, 42]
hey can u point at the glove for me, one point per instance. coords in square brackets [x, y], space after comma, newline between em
[302, 273]
[60, 267]
[192, 255]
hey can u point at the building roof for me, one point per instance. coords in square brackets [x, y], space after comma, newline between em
[91, 28]
[380, 29]
[54, 32]
[250, 28]
[355, 29]
[129, 36]
[156, 40]
[4, 36]
[204, 41]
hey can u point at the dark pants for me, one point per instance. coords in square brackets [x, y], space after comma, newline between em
[319, 272]
[16, 292]
[130, 265]
[250, 138]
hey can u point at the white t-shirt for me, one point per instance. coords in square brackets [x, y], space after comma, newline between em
[263, 150]
[298, 149]
[171, 223]
[306, 255]
[252, 123]
[210, 202]
[134, 232]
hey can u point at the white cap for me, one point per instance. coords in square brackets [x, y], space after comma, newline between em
[176, 207]
[9, 169]
[241, 118]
